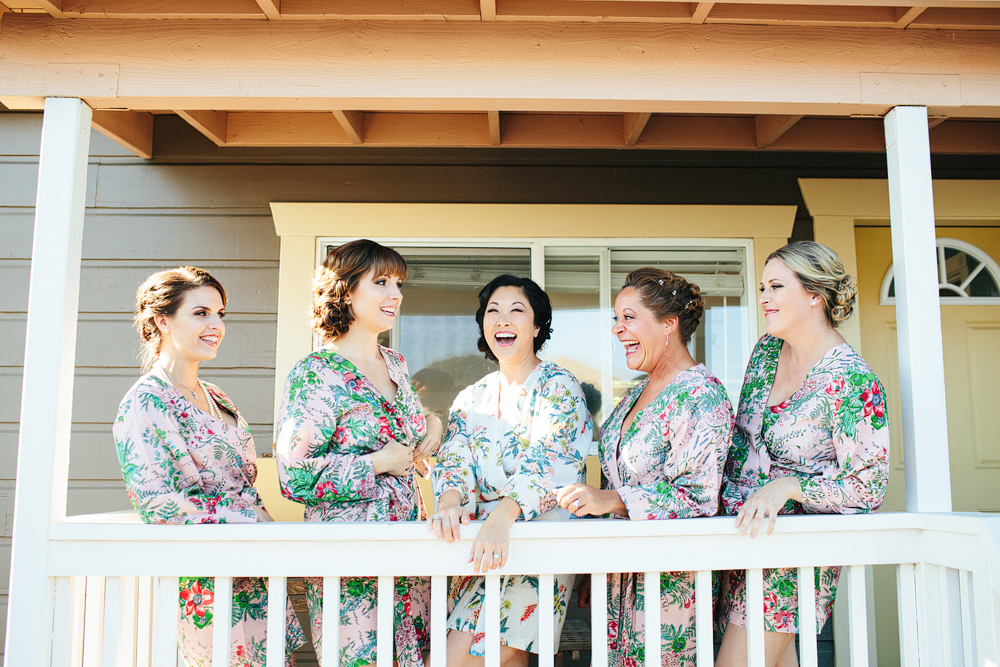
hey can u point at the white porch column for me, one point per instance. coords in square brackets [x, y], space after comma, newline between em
[918, 312]
[49, 357]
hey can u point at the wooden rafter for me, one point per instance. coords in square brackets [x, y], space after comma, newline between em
[770, 128]
[154, 9]
[594, 10]
[131, 129]
[493, 117]
[635, 123]
[353, 123]
[488, 10]
[271, 8]
[934, 121]
[284, 129]
[906, 15]
[390, 10]
[701, 12]
[210, 123]
[51, 7]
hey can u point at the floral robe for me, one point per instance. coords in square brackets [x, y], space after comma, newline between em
[524, 455]
[182, 466]
[831, 434]
[667, 464]
[332, 417]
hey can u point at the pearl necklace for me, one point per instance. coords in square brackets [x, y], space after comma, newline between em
[213, 409]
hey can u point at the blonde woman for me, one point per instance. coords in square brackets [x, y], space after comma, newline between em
[811, 436]
[187, 455]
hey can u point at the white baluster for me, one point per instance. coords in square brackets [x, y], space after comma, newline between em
[61, 619]
[386, 641]
[651, 601]
[985, 612]
[492, 603]
[906, 588]
[966, 602]
[945, 613]
[111, 621]
[277, 602]
[128, 627]
[599, 619]
[807, 617]
[857, 610]
[546, 622]
[703, 618]
[78, 595]
[755, 617]
[166, 604]
[439, 620]
[222, 625]
[144, 623]
[93, 622]
[330, 641]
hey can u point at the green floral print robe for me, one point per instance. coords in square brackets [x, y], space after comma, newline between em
[832, 435]
[332, 417]
[525, 455]
[667, 464]
[183, 466]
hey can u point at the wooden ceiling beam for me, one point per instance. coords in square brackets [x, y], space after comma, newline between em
[966, 136]
[471, 66]
[957, 18]
[905, 16]
[488, 10]
[131, 129]
[804, 15]
[427, 129]
[51, 7]
[284, 129]
[271, 8]
[635, 123]
[493, 118]
[594, 11]
[934, 121]
[770, 128]
[388, 10]
[210, 123]
[158, 9]
[353, 123]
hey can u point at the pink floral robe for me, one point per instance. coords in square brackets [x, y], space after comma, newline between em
[331, 419]
[667, 464]
[832, 434]
[183, 466]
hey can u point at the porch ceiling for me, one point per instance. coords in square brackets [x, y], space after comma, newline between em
[513, 73]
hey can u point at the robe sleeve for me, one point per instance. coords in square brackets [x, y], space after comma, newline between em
[312, 451]
[860, 436]
[695, 443]
[455, 467]
[162, 479]
[560, 427]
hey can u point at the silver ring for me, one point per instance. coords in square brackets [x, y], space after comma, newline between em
[436, 517]
[496, 556]
[577, 504]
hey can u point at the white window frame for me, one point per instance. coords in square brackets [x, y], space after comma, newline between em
[566, 245]
[987, 263]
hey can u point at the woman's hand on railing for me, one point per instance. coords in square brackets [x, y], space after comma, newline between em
[446, 523]
[429, 445]
[765, 503]
[582, 499]
[393, 459]
[492, 544]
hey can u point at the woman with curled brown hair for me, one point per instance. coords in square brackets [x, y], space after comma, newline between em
[187, 455]
[811, 437]
[350, 431]
[662, 452]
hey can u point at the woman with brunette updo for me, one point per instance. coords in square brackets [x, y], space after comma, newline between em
[662, 452]
[350, 432]
[187, 455]
[513, 438]
[811, 437]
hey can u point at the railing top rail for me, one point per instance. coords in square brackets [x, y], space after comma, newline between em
[366, 549]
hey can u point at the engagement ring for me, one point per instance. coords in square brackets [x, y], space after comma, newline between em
[496, 556]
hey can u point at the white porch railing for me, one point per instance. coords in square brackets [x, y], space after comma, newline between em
[108, 575]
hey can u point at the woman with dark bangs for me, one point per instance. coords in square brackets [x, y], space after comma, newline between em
[351, 430]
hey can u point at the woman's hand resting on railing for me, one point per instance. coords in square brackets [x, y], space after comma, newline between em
[429, 445]
[765, 503]
[450, 516]
[582, 499]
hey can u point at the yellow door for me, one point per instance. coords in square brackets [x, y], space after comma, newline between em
[971, 335]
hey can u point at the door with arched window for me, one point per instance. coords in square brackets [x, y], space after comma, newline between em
[969, 290]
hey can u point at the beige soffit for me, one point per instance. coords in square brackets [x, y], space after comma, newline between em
[869, 198]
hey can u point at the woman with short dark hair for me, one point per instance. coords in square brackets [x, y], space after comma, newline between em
[350, 430]
[513, 438]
